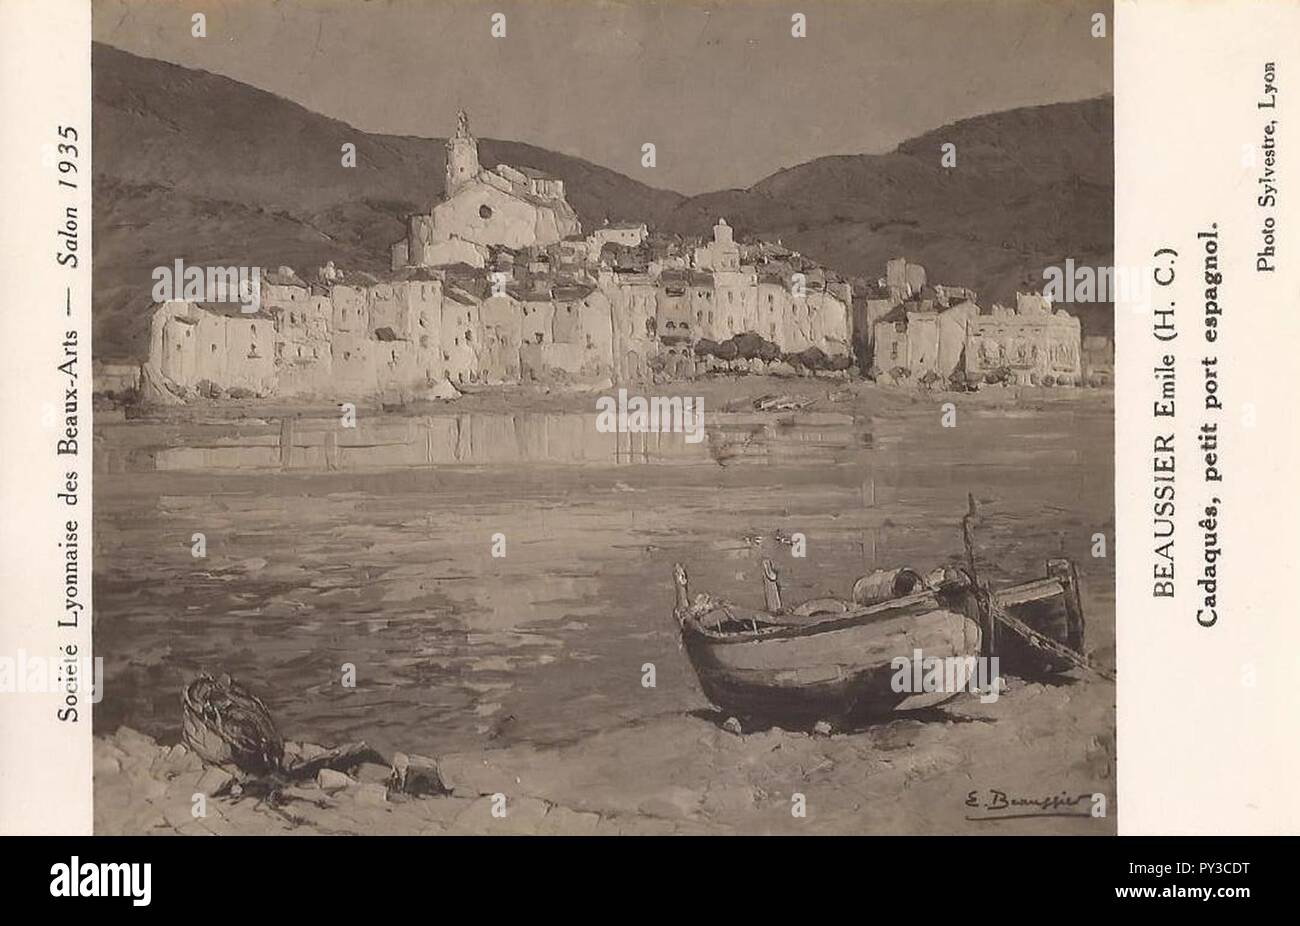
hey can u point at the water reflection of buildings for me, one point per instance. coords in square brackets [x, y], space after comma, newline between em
[379, 442]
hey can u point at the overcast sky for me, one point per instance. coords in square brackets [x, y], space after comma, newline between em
[722, 89]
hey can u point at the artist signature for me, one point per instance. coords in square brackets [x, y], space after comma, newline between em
[996, 804]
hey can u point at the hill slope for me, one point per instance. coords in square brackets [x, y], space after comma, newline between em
[1031, 187]
[200, 167]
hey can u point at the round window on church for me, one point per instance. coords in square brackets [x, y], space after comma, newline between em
[485, 211]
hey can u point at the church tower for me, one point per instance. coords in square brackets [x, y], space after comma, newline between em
[462, 157]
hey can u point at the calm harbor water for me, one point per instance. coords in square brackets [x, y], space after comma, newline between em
[391, 571]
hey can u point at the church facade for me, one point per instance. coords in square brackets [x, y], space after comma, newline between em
[508, 207]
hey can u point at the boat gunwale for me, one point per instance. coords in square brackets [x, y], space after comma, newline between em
[905, 606]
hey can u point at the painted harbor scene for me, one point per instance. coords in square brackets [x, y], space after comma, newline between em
[659, 471]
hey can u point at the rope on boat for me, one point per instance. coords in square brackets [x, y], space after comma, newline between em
[1044, 642]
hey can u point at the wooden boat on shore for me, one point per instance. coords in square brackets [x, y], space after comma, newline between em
[834, 659]
[826, 660]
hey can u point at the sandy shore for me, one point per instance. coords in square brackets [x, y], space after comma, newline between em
[681, 774]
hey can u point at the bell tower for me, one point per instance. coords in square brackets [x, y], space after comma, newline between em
[462, 157]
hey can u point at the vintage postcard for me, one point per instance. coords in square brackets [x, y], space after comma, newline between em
[609, 417]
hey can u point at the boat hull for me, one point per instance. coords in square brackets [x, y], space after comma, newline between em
[834, 669]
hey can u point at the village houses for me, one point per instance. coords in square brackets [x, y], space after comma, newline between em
[498, 284]
[943, 333]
